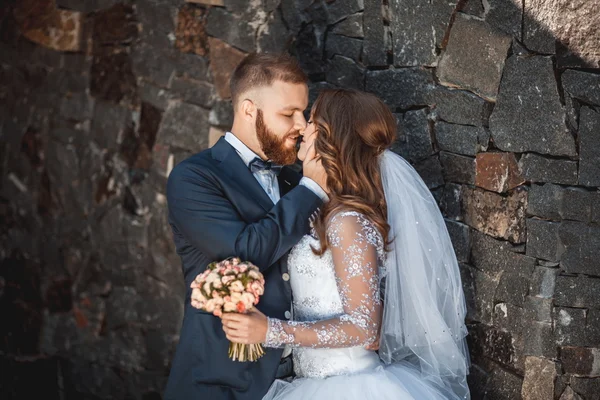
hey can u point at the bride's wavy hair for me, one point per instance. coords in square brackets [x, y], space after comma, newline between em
[354, 128]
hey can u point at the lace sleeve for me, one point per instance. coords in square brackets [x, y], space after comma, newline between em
[355, 244]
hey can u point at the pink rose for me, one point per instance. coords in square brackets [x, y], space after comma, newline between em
[236, 286]
[210, 306]
[248, 300]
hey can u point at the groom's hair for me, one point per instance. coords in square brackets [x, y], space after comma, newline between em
[260, 69]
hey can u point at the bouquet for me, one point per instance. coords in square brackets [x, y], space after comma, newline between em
[230, 286]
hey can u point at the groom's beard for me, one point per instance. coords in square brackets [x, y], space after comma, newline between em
[274, 147]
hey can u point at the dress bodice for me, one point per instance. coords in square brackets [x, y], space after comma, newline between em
[320, 294]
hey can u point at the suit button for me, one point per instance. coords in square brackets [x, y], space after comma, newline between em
[286, 276]
[288, 315]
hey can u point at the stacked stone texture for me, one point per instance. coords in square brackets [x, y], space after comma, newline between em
[498, 108]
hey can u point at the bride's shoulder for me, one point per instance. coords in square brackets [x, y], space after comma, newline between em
[351, 223]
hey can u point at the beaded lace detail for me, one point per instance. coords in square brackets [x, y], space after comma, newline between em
[336, 296]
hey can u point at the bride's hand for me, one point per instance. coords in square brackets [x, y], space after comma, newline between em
[249, 328]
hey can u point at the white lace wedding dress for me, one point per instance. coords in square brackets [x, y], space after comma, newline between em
[337, 313]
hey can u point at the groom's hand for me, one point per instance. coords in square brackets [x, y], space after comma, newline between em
[313, 168]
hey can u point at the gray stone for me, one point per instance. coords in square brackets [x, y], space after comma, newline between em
[341, 9]
[450, 201]
[222, 114]
[414, 138]
[192, 66]
[583, 86]
[474, 7]
[77, 106]
[582, 248]
[344, 46]
[273, 35]
[543, 282]
[479, 290]
[506, 16]
[545, 201]
[503, 385]
[458, 169]
[474, 57]
[494, 256]
[233, 29]
[586, 387]
[542, 239]
[155, 68]
[430, 171]
[157, 23]
[512, 288]
[460, 106]
[528, 115]
[570, 327]
[109, 123]
[403, 88]
[184, 126]
[154, 95]
[589, 144]
[194, 92]
[577, 292]
[496, 344]
[536, 35]
[539, 339]
[540, 375]
[418, 30]
[537, 309]
[351, 26]
[508, 317]
[461, 139]
[536, 168]
[577, 204]
[376, 37]
[344, 72]
[461, 239]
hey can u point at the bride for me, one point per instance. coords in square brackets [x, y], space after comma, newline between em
[378, 265]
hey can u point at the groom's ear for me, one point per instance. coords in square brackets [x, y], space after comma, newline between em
[248, 110]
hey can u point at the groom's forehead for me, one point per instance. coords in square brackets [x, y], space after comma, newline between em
[288, 96]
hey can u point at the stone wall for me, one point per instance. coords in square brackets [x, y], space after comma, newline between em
[498, 108]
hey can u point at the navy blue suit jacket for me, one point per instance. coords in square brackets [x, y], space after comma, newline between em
[217, 209]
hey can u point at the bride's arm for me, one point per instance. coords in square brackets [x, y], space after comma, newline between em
[353, 242]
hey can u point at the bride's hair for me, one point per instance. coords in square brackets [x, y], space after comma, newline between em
[354, 128]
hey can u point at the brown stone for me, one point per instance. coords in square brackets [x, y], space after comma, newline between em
[48, 26]
[214, 134]
[223, 60]
[582, 361]
[495, 215]
[540, 374]
[474, 57]
[569, 394]
[574, 24]
[114, 26]
[498, 172]
[191, 30]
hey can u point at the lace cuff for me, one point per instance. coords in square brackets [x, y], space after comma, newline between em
[276, 335]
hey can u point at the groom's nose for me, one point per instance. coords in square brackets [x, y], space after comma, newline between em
[300, 123]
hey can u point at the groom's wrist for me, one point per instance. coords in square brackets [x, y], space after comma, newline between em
[315, 188]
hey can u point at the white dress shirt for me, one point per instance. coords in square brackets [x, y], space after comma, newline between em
[268, 181]
[267, 178]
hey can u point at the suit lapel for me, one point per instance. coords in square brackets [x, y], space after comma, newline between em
[287, 179]
[239, 174]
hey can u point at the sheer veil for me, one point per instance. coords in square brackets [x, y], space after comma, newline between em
[424, 305]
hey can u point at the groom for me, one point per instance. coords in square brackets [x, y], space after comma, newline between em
[239, 199]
